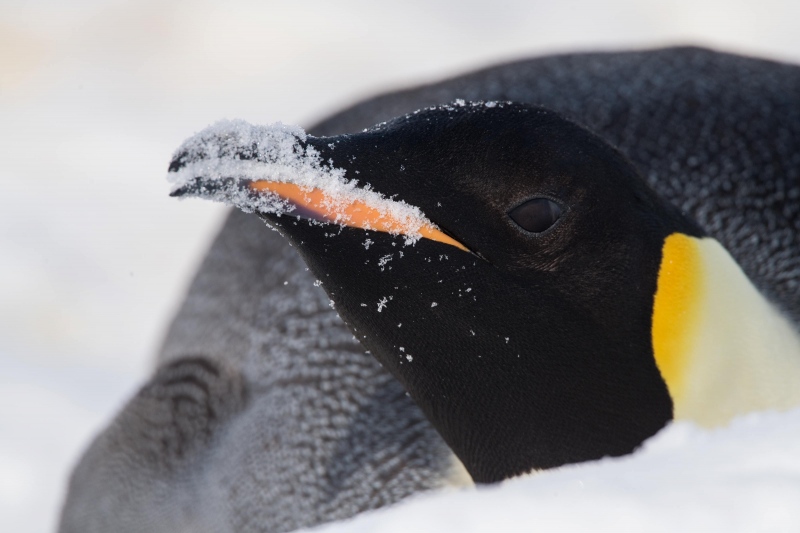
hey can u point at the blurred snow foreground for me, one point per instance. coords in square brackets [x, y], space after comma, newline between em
[745, 477]
[264, 414]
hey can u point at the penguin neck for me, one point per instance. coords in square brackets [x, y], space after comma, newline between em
[722, 348]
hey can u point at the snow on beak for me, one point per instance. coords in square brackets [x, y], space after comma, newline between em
[270, 169]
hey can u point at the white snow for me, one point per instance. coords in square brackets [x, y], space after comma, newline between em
[275, 153]
[382, 303]
[276, 156]
[384, 260]
[742, 478]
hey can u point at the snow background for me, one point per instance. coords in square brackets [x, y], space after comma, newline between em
[94, 256]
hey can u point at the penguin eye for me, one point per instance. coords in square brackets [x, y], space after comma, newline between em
[536, 215]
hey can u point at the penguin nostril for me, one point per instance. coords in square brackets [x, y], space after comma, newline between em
[536, 215]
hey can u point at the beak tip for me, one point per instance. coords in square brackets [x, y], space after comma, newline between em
[219, 189]
[186, 189]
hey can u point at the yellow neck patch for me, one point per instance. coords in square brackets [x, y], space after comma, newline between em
[721, 347]
[676, 309]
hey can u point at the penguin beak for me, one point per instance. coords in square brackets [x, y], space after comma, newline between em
[316, 204]
[297, 186]
[321, 206]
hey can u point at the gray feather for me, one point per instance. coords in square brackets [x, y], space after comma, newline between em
[264, 415]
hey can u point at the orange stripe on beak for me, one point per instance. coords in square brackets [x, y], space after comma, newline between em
[354, 213]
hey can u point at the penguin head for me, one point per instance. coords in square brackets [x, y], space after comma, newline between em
[499, 260]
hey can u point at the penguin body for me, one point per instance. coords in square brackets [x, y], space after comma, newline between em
[713, 134]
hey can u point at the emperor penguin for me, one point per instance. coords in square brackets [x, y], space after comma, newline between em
[539, 302]
[264, 414]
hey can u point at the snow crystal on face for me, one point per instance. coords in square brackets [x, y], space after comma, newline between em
[382, 303]
[218, 162]
[459, 102]
[384, 260]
